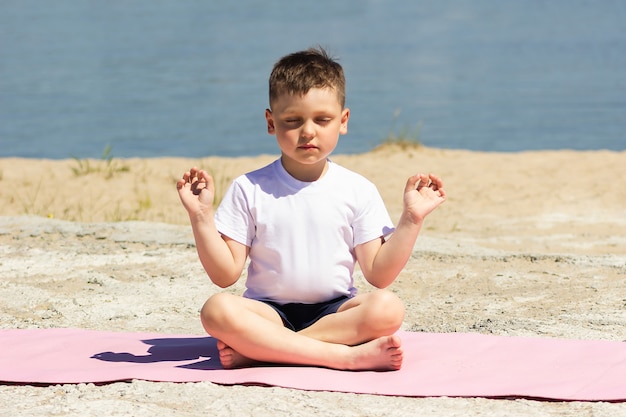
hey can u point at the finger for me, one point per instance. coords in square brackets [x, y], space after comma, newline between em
[206, 180]
[188, 176]
[423, 181]
[184, 180]
[412, 183]
[204, 176]
[210, 184]
[193, 175]
[435, 182]
[435, 179]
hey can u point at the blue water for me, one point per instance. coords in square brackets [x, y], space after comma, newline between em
[189, 78]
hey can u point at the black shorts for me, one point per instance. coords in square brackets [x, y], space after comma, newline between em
[298, 316]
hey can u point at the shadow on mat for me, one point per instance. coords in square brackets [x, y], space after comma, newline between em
[172, 349]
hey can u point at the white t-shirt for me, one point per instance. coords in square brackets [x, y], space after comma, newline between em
[302, 234]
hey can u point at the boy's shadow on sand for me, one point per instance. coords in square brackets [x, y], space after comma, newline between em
[172, 349]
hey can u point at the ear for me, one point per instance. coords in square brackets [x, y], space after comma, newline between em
[270, 122]
[345, 116]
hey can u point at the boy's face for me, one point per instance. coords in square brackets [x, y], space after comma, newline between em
[307, 128]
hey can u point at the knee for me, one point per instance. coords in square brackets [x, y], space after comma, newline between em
[215, 312]
[387, 311]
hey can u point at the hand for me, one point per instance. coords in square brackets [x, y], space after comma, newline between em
[422, 194]
[196, 191]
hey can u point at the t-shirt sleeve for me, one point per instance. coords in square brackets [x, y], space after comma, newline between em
[233, 217]
[372, 219]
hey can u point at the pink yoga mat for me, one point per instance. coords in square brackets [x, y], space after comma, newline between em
[447, 364]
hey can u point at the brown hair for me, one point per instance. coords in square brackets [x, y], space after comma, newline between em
[298, 72]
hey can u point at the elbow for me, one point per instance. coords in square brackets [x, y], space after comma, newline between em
[223, 280]
[380, 285]
[380, 282]
[223, 283]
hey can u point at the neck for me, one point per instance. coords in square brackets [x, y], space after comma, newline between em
[305, 173]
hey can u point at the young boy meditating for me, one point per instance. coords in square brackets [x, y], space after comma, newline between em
[304, 221]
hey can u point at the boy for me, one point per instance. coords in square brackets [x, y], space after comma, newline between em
[304, 222]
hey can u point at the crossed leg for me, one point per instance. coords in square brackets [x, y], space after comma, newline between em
[360, 336]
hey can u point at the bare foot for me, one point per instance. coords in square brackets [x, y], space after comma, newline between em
[230, 358]
[384, 353]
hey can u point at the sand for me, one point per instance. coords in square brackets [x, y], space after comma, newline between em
[529, 244]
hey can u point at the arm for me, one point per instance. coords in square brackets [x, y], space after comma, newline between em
[222, 258]
[381, 263]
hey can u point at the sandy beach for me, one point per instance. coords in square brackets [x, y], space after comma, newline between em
[528, 244]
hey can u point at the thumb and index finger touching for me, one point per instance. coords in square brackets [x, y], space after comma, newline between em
[420, 181]
[196, 181]
[195, 176]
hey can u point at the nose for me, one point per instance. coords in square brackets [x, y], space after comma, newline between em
[307, 131]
